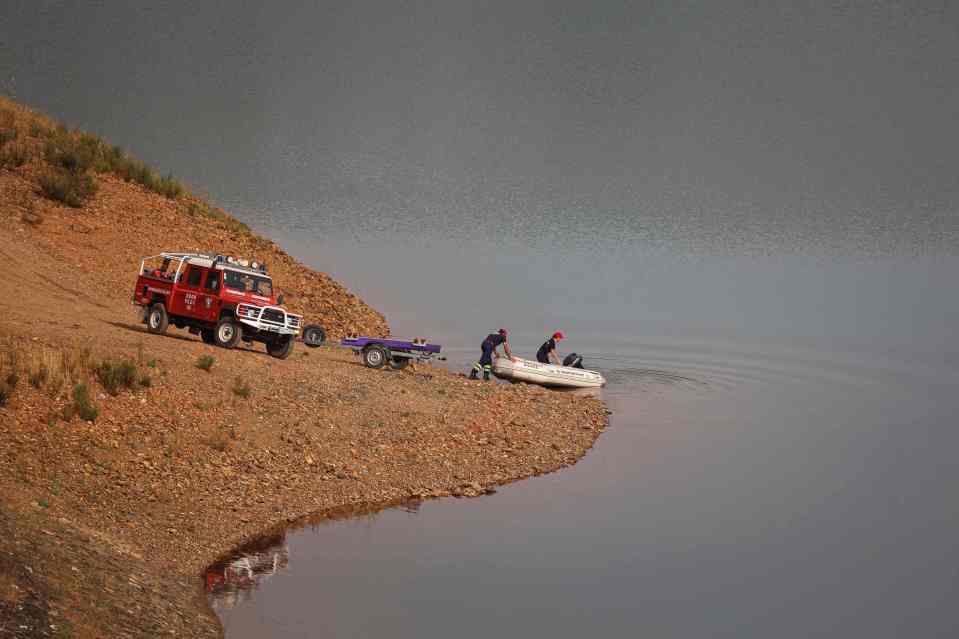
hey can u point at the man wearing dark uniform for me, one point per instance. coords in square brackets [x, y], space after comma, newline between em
[547, 351]
[489, 345]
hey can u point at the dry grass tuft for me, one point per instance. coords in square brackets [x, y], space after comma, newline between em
[205, 362]
[46, 367]
[82, 406]
[70, 188]
[13, 155]
[8, 126]
[114, 376]
[241, 388]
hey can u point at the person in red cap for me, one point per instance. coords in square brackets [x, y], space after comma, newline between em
[489, 345]
[547, 352]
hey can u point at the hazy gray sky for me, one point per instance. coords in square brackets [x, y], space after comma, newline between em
[737, 114]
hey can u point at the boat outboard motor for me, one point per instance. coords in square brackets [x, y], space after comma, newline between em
[573, 360]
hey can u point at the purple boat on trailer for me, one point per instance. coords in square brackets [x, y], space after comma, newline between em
[396, 353]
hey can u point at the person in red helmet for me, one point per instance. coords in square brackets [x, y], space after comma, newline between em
[547, 352]
[485, 363]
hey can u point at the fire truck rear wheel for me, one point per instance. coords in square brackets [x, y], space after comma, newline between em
[313, 335]
[281, 348]
[157, 320]
[227, 333]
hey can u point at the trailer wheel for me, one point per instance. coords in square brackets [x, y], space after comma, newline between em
[313, 335]
[207, 335]
[227, 333]
[281, 348]
[157, 320]
[375, 355]
[399, 363]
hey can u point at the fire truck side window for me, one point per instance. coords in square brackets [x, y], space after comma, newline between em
[196, 274]
[212, 280]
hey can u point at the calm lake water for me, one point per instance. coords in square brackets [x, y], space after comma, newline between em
[745, 214]
[781, 459]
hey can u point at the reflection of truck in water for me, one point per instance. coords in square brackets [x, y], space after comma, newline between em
[232, 579]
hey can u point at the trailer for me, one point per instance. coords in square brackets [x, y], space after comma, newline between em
[393, 352]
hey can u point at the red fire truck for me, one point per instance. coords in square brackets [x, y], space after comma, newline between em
[222, 299]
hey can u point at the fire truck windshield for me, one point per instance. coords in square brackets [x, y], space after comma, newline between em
[248, 283]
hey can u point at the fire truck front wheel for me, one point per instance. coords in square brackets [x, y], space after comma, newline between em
[281, 348]
[227, 333]
[157, 319]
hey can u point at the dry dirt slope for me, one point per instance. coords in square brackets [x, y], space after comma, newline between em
[124, 221]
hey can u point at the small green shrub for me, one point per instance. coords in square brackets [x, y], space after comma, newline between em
[13, 155]
[152, 363]
[205, 362]
[70, 188]
[8, 128]
[169, 187]
[79, 152]
[37, 130]
[83, 404]
[69, 158]
[39, 377]
[114, 376]
[241, 388]
[5, 392]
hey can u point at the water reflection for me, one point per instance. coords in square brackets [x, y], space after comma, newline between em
[232, 581]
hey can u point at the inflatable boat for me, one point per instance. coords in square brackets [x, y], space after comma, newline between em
[525, 370]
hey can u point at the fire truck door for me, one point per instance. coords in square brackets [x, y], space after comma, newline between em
[187, 300]
[211, 295]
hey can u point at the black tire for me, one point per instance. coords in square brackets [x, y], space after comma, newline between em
[206, 334]
[313, 335]
[157, 319]
[227, 333]
[399, 363]
[281, 348]
[376, 355]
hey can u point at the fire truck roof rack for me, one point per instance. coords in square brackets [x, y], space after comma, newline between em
[213, 259]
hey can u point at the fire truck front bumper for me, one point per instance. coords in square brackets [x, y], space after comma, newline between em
[272, 319]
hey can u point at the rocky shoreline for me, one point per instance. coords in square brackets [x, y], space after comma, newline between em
[122, 499]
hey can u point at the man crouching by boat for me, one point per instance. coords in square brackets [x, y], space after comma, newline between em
[547, 352]
[489, 345]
